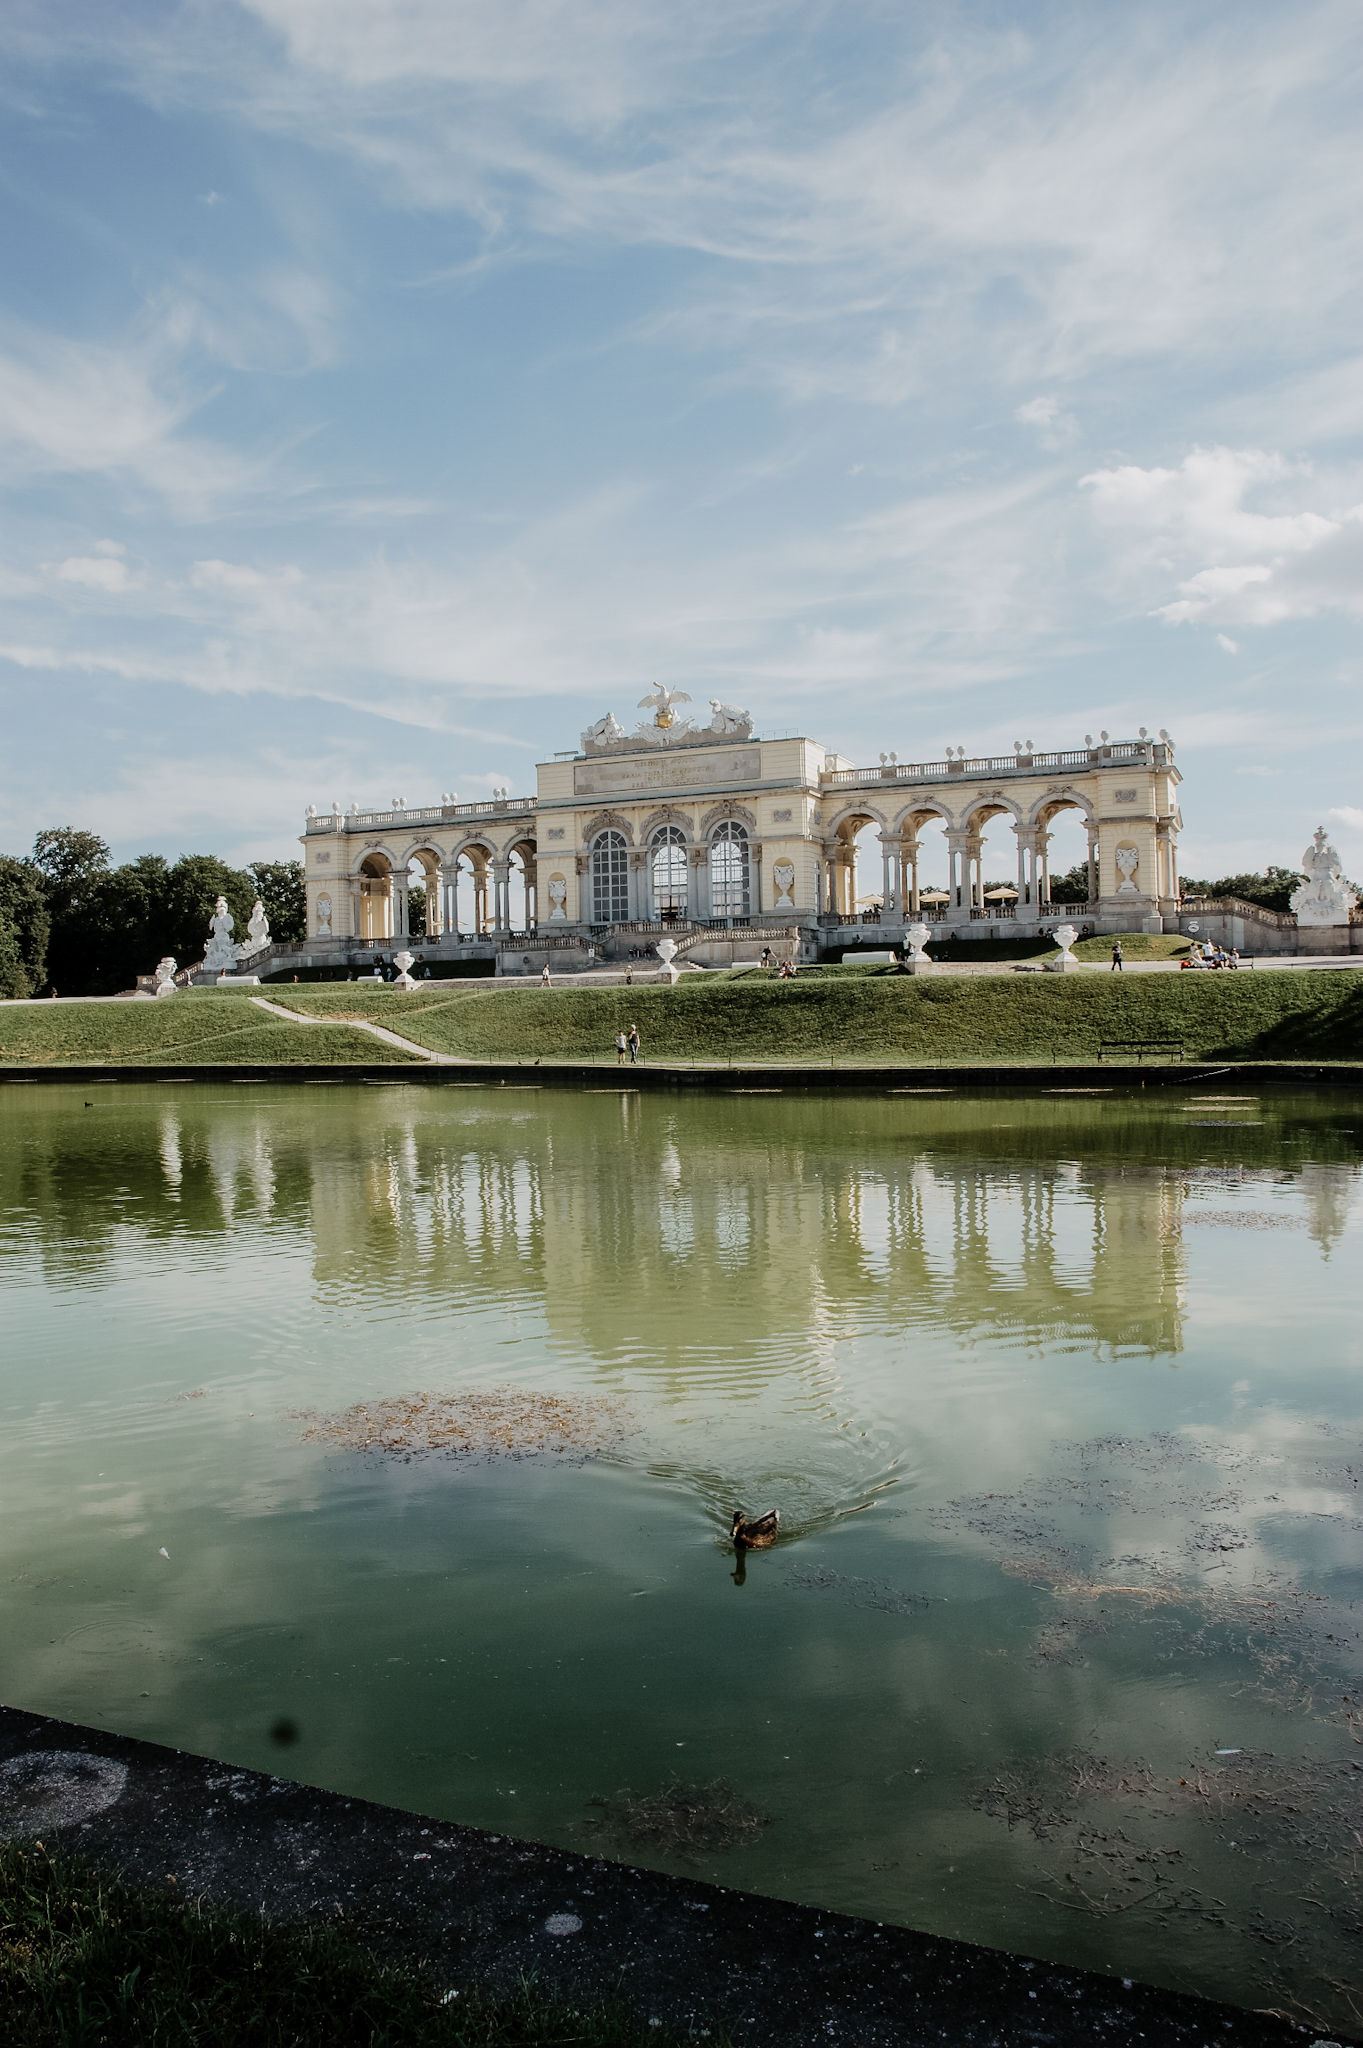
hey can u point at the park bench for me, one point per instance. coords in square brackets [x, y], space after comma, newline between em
[1161, 1048]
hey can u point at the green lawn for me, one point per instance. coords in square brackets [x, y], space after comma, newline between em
[197, 1028]
[89, 1963]
[847, 1015]
[886, 1016]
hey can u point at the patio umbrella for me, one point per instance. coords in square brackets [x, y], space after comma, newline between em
[1000, 895]
[933, 896]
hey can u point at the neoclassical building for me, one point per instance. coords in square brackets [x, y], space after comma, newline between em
[717, 835]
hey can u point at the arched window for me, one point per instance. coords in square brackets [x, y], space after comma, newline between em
[669, 872]
[610, 878]
[729, 871]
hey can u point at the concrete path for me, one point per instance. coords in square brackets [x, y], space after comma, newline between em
[422, 1052]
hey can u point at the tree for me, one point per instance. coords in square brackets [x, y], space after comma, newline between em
[279, 885]
[1072, 886]
[72, 864]
[416, 911]
[69, 860]
[27, 926]
[1271, 890]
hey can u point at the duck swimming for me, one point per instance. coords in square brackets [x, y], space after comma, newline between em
[758, 1534]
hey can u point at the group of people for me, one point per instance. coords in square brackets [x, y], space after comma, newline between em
[627, 1042]
[785, 969]
[1207, 954]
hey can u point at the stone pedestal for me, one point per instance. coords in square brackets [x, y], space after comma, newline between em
[1064, 936]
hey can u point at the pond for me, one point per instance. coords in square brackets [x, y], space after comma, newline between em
[1058, 1395]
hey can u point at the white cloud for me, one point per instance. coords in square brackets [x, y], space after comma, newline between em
[99, 572]
[1262, 566]
[1231, 646]
[89, 408]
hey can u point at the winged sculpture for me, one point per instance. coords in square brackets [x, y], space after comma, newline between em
[660, 701]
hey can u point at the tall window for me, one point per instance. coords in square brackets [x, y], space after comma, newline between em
[729, 872]
[610, 879]
[669, 873]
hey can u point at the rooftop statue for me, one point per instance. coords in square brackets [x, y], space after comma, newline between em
[1324, 897]
[729, 720]
[660, 702]
[603, 733]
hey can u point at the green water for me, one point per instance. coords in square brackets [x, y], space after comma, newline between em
[995, 1359]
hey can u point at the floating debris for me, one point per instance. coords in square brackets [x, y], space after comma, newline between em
[858, 1592]
[504, 1422]
[684, 1820]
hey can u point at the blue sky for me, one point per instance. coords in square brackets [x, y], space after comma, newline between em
[388, 388]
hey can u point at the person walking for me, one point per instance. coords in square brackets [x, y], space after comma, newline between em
[620, 1044]
[633, 1043]
[544, 977]
[1116, 956]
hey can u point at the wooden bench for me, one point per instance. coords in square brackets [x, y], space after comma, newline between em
[1162, 1048]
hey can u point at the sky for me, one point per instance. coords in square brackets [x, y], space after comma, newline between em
[391, 388]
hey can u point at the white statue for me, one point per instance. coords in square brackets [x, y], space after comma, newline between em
[729, 719]
[783, 875]
[165, 977]
[603, 733]
[558, 897]
[222, 956]
[1324, 897]
[324, 917]
[660, 701]
[918, 961]
[667, 953]
[403, 962]
[1128, 860]
[1064, 936]
[258, 929]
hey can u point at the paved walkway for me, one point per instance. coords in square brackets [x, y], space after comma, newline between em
[422, 1052]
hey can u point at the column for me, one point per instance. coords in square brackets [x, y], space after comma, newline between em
[1024, 895]
[888, 892]
[1093, 861]
[499, 896]
[639, 906]
[914, 905]
[700, 883]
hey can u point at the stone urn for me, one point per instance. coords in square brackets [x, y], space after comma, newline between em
[403, 963]
[667, 953]
[918, 961]
[1064, 936]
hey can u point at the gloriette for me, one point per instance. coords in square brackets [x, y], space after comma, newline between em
[718, 838]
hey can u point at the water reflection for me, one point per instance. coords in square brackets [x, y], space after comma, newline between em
[999, 1363]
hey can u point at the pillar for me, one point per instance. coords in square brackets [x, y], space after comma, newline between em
[1093, 861]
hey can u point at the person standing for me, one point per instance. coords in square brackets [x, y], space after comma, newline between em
[620, 1045]
[544, 977]
[633, 1042]
[1116, 956]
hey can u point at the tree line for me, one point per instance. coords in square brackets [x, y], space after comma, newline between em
[71, 921]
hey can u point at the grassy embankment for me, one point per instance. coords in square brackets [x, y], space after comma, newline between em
[845, 1016]
[876, 1016]
[199, 1028]
[84, 1960]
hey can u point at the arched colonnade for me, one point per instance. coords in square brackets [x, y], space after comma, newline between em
[467, 890]
[902, 848]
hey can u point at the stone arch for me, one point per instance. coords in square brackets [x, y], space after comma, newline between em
[430, 861]
[666, 814]
[470, 860]
[607, 821]
[839, 891]
[524, 850]
[905, 882]
[376, 894]
[729, 811]
[970, 880]
[858, 816]
[1038, 839]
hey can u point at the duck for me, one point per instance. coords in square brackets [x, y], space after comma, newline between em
[759, 1534]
